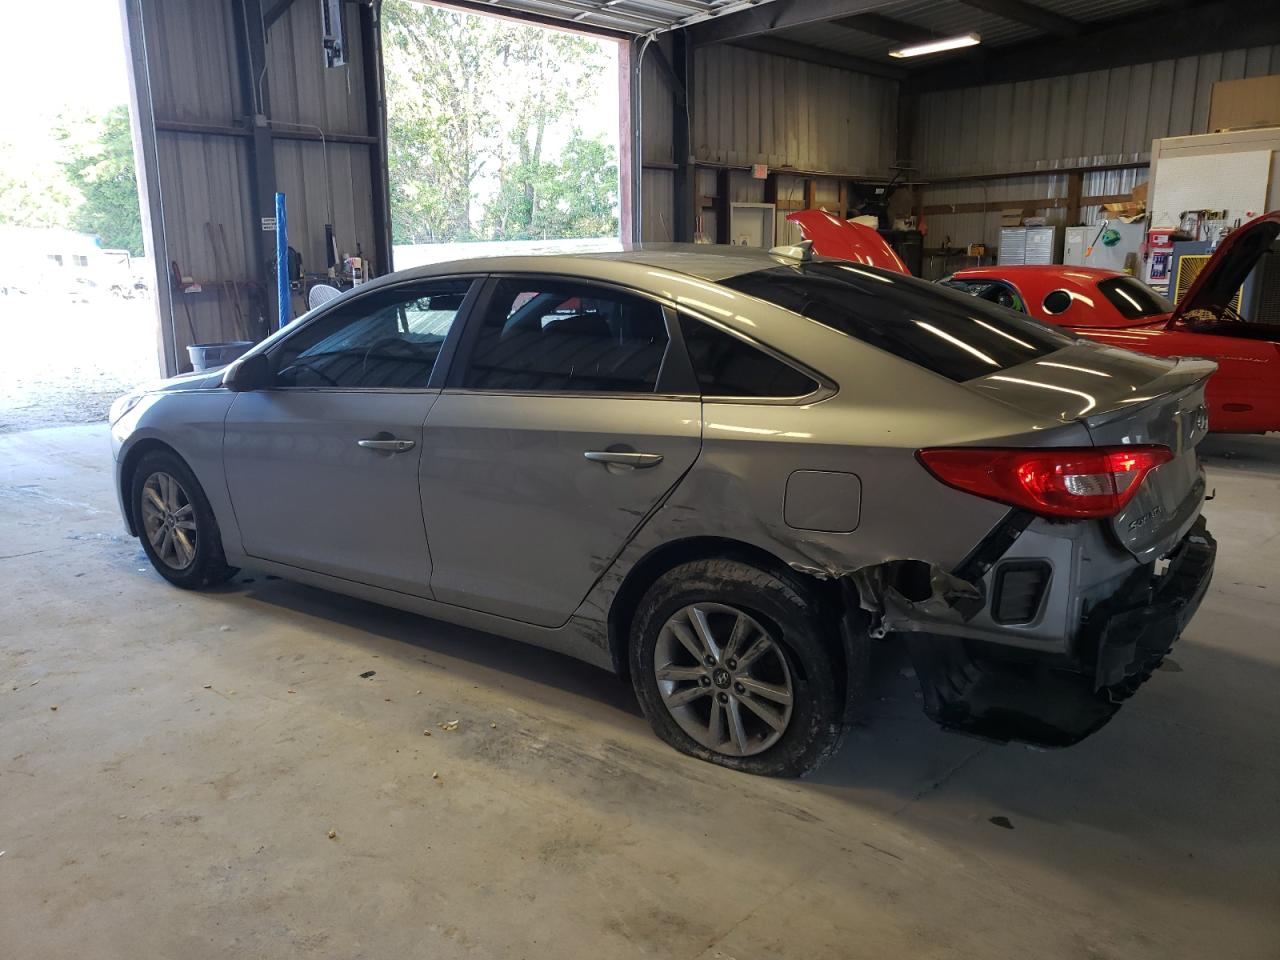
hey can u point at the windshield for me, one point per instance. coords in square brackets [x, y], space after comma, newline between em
[950, 333]
[1133, 298]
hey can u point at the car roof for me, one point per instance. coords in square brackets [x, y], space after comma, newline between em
[701, 261]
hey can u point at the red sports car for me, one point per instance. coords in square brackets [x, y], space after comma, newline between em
[1115, 308]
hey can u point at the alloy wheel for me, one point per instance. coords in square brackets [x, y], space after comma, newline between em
[724, 679]
[168, 518]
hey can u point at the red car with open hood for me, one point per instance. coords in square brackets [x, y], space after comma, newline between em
[1117, 309]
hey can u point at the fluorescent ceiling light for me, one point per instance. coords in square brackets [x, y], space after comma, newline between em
[937, 46]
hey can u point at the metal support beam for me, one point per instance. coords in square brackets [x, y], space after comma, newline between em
[375, 99]
[255, 90]
[721, 206]
[1051, 172]
[888, 28]
[821, 57]
[286, 133]
[276, 11]
[686, 175]
[1030, 15]
[1139, 38]
[1075, 187]
[774, 15]
[668, 71]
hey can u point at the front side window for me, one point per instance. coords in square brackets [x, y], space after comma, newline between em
[959, 336]
[728, 367]
[384, 340]
[1133, 298]
[538, 334]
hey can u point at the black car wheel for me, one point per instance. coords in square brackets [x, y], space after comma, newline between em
[736, 665]
[176, 524]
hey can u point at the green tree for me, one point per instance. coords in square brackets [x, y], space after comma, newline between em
[438, 75]
[573, 196]
[475, 99]
[34, 191]
[99, 164]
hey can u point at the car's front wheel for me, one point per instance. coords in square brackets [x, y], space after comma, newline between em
[732, 664]
[176, 523]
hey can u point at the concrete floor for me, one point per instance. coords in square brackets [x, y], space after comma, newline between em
[150, 816]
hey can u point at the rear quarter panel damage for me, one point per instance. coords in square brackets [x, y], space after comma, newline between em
[736, 491]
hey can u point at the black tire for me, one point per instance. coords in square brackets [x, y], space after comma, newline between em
[208, 567]
[801, 627]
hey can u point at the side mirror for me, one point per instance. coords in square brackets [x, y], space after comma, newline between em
[251, 373]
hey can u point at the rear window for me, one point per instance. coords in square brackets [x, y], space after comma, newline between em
[1133, 298]
[950, 333]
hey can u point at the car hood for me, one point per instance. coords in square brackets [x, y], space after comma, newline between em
[833, 237]
[205, 380]
[1229, 267]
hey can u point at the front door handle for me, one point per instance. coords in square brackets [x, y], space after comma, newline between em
[623, 459]
[387, 446]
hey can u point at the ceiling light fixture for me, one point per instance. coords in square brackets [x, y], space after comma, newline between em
[937, 46]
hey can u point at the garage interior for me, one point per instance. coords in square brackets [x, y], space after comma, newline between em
[271, 770]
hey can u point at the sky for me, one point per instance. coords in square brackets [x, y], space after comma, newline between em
[81, 63]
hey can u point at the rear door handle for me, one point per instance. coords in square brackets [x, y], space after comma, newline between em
[637, 460]
[388, 446]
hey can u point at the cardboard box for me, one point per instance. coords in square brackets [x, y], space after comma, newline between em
[1126, 210]
[1245, 104]
[1013, 216]
[1139, 193]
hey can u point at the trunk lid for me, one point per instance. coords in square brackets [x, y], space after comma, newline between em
[1124, 398]
[833, 237]
[1229, 267]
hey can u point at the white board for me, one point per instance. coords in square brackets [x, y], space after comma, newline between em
[1235, 182]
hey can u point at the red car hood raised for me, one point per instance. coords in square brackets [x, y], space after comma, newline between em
[833, 237]
[1228, 268]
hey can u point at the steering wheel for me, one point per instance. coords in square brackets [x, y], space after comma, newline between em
[308, 364]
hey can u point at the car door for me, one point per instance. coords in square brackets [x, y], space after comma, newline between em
[322, 466]
[561, 429]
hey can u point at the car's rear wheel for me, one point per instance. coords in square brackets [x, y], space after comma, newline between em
[735, 665]
[176, 523]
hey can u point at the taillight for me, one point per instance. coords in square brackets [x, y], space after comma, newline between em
[1055, 482]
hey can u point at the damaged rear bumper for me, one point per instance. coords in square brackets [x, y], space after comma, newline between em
[1002, 693]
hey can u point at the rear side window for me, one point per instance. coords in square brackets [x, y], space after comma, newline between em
[553, 335]
[953, 334]
[728, 367]
[1133, 298]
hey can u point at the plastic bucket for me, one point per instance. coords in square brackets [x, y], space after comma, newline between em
[210, 356]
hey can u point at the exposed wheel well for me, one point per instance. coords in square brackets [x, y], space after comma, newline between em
[136, 453]
[670, 555]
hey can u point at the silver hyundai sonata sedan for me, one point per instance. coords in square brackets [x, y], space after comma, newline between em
[724, 473]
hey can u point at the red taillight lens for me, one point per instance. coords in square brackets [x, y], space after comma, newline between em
[1061, 482]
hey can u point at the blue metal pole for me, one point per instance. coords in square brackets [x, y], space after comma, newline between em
[282, 262]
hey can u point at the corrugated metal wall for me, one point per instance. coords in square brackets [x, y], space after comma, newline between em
[193, 76]
[752, 107]
[657, 190]
[1101, 117]
[756, 108]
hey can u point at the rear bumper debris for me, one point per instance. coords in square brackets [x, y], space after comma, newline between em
[1004, 694]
